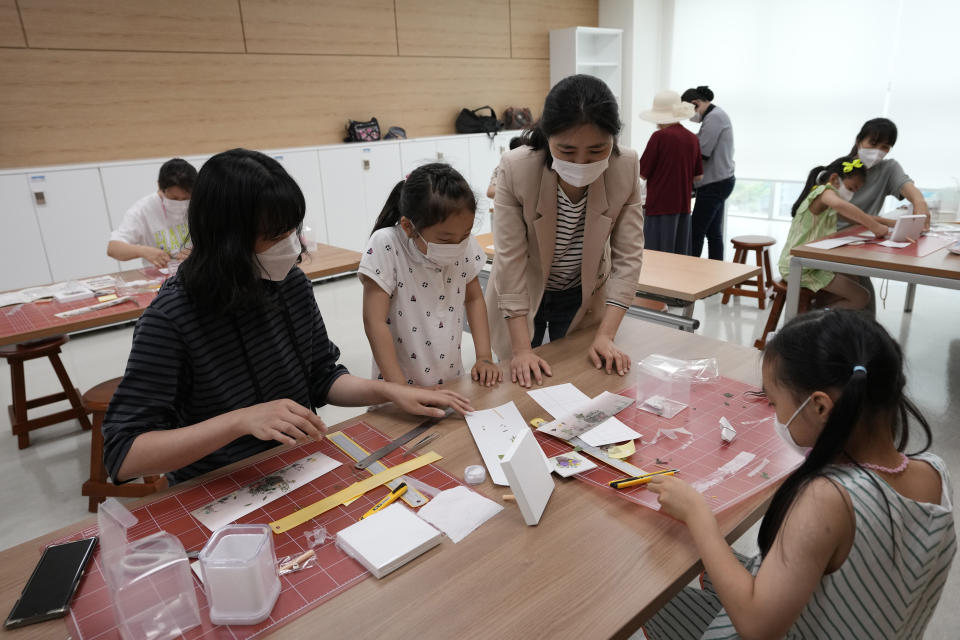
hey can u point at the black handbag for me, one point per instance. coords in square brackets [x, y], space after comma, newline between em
[368, 131]
[472, 122]
[518, 118]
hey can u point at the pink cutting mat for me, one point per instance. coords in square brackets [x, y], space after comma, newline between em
[923, 247]
[91, 614]
[41, 315]
[699, 457]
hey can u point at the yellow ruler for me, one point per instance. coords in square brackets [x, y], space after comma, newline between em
[343, 496]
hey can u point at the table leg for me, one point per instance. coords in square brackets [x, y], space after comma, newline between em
[911, 294]
[793, 289]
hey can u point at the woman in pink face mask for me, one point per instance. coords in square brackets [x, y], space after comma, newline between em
[568, 231]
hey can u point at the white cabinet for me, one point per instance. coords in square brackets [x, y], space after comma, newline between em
[304, 167]
[484, 157]
[125, 184]
[74, 222]
[454, 151]
[23, 260]
[356, 183]
[590, 50]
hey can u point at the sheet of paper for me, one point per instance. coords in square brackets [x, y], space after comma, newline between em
[894, 245]
[609, 431]
[458, 512]
[494, 431]
[559, 399]
[263, 491]
[833, 243]
[570, 464]
[7, 299]
[587, 416]
[621, 451]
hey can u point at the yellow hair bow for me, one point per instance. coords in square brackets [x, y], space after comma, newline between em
[850, 166]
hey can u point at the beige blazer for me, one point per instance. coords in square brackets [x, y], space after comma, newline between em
[524, 233]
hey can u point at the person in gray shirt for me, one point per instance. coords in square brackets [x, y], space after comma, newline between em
[716, 147]
[885, 177]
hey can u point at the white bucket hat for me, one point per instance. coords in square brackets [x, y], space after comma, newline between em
[667, 109]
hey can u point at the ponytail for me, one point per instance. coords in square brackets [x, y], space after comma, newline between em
[850, 352]
[390, 214]
[845, 166]
[811, 180]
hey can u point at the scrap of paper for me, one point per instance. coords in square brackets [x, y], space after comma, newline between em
[661, 406]
[569, 464]
[559, 399]
[251, 497]
[727, 432]
[621, 451]
[757, 469]
[672, 434]
[458, 511]
[587, 416]
[894, 245]
[832, 243]
[494, 431]
[741, 460]
[609, 431]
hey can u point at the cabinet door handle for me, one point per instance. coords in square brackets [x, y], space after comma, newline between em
[439, 155]
[366, 165]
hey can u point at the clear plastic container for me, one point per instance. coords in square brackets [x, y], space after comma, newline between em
[240, 574]
[149, 579]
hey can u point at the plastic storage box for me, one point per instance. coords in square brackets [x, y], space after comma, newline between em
[240, 574]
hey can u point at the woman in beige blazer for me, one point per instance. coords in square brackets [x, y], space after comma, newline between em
[568, 231]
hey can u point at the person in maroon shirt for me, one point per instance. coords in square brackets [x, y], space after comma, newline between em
[670, 163]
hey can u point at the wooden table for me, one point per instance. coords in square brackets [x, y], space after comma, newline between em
[37, 319]
[938, 269]
[675, 279]
[596, 566]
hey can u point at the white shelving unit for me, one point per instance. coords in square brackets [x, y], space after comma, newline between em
[590, 50]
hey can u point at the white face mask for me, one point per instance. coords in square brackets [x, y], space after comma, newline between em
[580, 175]
[175, 208]
[444, 254]
[275, 263]
[843, 192]
[870, 157]
[783, 430]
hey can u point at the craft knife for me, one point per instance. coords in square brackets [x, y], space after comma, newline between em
[402, 440]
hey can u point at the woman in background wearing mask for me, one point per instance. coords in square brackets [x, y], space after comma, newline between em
[827, 193]
[232, 357]
[155, 227]
[568, 231]
[716, 148]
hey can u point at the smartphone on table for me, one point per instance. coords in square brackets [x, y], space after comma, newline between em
[52, 584]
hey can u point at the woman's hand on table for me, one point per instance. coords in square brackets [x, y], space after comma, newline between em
[605, 354]
[527, 367]
[486, 373]
[678, 499]
[426, 402]
[285, 421]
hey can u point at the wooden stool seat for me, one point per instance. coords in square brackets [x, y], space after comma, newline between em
[759, 245]
[20, 424]
[98, 487]
[779, 299]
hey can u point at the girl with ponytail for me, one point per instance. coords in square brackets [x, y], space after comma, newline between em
[419, 272]
[858, 540]
[827, 194]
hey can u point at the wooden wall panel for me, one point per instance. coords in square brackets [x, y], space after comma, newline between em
[134, 25]
[359, 27]
[532, 20]
[84, 106]
[462, 28]
[11, 34]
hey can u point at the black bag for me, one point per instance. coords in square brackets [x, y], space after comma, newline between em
[368, 131]
[520, 118]
[471, 122]
[396, 133]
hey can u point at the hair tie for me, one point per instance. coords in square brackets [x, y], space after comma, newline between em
[850, 166]
[860, 369]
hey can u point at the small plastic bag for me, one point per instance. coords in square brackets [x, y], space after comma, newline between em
[661, 393]
[307, 559]
[702, 370]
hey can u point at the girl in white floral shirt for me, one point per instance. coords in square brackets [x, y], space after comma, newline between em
[419, 273]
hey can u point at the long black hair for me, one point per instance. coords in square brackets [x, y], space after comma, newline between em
[575, 100]
[819, 351]
[877, 131]
[430, 194]
[240, 196]
[845, 166]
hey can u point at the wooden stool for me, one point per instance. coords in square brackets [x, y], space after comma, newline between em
[99, 487]
[20, 424]
[779, 299]
[757, 244]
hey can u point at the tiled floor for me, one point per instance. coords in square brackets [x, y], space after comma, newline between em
[42, 483]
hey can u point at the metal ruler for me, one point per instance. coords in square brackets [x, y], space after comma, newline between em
[402, 440]
[343, 442]
[597, 452]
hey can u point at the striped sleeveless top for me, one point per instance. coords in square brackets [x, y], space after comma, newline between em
[888, 587]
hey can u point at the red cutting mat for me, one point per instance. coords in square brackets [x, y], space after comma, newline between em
[91, 614]
[923, 247]
[700, 456]
[41, 315]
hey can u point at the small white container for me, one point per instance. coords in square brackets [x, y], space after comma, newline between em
[240, 574]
